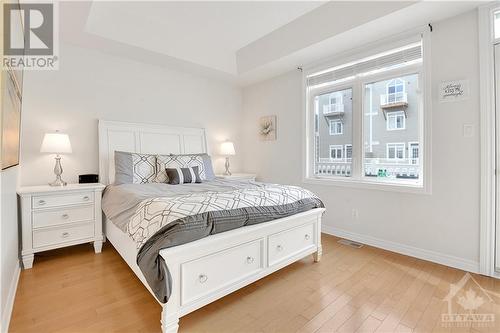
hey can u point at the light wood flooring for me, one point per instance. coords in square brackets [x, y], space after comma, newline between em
[350, 290]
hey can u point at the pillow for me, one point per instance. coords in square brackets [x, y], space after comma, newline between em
[183, 175]
[134, 168]
[202, 161]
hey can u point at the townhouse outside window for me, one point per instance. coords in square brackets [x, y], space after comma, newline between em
[386, 156]
[333, 131]
[376, 104]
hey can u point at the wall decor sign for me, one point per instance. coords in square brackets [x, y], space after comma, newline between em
[267, 128]
[451, 91]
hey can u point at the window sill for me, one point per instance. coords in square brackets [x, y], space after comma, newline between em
[380, 185]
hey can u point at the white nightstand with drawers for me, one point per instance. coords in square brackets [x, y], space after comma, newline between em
[54, 217]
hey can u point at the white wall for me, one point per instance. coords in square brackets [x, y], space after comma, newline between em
[443, 225]
[9, 248]
[91, 85]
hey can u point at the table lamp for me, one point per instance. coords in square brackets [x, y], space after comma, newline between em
[227, 149]
[56, 143]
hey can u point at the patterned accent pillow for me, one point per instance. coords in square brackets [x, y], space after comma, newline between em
[143, 168]
[183, 175]
[134, 168]
[164, 162]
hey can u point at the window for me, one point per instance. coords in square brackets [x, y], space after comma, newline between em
[396, 120]
[395, 151]
[380, 119]
[332, 131]
[334, 105]
[385, 156]
[336, 127]
[348, 152]
[413, 152]
[395, 91]
[336, 152]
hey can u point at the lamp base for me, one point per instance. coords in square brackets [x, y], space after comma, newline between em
[58, 182]
[58, 171]
[227, 173]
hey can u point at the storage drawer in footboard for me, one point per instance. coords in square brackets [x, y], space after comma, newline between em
[289, 243]
[214, 272]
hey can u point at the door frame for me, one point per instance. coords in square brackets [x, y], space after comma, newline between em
[488, 139]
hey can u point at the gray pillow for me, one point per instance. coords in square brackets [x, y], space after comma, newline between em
[134, 168]
[183, 175]
[202, 161]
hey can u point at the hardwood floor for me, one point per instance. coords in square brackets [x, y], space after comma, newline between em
[350, 290]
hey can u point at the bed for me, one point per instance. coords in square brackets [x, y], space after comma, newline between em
[208, 268]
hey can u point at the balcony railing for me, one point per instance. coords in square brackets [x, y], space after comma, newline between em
[331, 167]
[333, 109]
[373, 167]
[394, 99]
[395, 168]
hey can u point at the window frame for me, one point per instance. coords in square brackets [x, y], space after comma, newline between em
[338, 148]
[403, 84]
[410, 144]
[395, 114]
[358, 179]
[348, 159]
[395, 158]
[336, 121]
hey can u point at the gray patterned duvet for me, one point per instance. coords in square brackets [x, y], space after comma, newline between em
[158, 216]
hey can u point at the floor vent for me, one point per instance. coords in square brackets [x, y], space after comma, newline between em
[350, 243]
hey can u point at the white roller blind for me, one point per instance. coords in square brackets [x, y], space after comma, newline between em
[402, 56]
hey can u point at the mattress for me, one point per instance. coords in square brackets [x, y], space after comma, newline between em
[120, 202]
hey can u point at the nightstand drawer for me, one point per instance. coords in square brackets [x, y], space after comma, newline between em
[44, 201]
[53, 236]
[44, 218]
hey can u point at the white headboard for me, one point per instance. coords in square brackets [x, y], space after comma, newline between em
[144, 138]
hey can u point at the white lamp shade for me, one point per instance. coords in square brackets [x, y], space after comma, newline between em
[227, 148]
[56, 143]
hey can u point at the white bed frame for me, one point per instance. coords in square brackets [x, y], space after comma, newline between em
[210, 268]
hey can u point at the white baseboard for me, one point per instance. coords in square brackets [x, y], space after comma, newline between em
[440, 258]
[9, 304]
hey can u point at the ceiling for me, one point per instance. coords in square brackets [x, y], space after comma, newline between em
[239, 41]
[205, 33]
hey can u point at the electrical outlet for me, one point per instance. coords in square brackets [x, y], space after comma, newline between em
[468, 131]
[354, 214]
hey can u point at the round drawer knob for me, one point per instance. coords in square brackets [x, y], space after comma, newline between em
[86, 198]
[307, 237]
[65, 234]
[65, 216]
[250, 260]
[41, 202]
[279, 248]
[203, 278]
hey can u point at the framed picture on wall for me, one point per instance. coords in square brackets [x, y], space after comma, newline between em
[11, 120]
[267, 128]
[11, 101]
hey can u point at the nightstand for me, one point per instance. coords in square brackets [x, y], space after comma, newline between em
[239, 176]
[54, 217]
